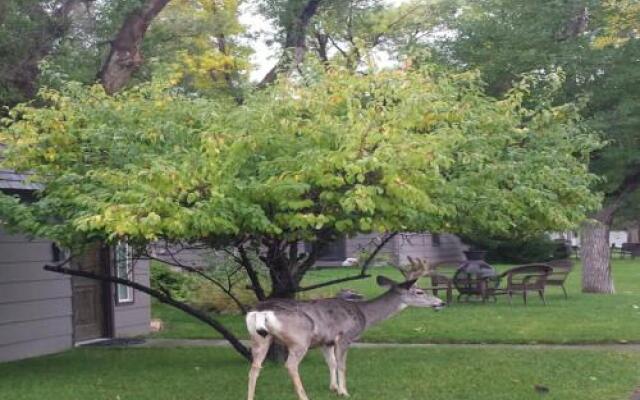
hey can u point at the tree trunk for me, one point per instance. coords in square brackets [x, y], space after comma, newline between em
[283, 284]
[125, 56]
[282, 287]
[594, 249]
[594, 238]
[295, 42]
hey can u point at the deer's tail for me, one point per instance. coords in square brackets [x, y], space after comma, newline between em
[261, 322]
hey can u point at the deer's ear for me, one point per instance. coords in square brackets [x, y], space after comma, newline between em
[407, 285]
[385, 282]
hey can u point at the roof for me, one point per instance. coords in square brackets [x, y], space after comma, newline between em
[10, 180]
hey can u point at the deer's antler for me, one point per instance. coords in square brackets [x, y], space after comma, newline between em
[417, 268]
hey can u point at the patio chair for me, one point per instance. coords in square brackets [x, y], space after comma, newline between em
[525, 279]
[441, 275]
[561, 270]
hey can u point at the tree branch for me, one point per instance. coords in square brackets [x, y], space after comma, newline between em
[375, 252]
[245, 261]
[162, 296]
[196, 271]
[616, 198]
[363, 271]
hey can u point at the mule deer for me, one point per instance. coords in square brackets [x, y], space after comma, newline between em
[332, 324]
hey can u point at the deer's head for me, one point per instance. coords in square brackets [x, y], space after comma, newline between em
[410, 294]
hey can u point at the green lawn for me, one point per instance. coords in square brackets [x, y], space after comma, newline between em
[582, 318]
[219, 374]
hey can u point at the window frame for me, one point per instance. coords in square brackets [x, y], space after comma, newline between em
[128, 260]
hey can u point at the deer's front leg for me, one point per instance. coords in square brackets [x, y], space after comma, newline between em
[329, 353]
[293, 361]
[259, 348]
[341, 358]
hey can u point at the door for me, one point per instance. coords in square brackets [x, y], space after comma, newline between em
[90, 297]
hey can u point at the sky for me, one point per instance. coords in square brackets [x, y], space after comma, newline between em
[265, 56]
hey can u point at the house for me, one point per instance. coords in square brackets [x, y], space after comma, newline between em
[616, 237]
[44, 312]
[431, 247]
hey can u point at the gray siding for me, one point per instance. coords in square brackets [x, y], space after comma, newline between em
[416, 245]
[422, 245]
[36, 314]
[364, 243]
[134, 319]
[35, 305]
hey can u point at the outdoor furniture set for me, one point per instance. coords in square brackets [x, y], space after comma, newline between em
[476, 278]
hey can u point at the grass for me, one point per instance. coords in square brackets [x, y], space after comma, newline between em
[583, 318]
[218, 373]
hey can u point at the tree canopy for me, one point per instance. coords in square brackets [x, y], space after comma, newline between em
[400, 150]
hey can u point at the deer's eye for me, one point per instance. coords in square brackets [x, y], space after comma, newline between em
[419, 292]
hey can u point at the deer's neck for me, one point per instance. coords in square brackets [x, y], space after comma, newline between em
[381, 308]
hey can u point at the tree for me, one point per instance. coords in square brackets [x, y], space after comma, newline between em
[125, 57]
[28, 33]
[594, 44]
[292, 17]
[397, 150]
[47, 43]
[350, 33]
[197, 44]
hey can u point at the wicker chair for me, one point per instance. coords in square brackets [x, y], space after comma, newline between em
[561, 270]
[441, 275]
[525, 279]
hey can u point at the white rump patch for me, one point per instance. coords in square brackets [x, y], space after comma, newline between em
[262, 321]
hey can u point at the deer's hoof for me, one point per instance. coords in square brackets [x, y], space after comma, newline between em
[343, 393]
[334, 389]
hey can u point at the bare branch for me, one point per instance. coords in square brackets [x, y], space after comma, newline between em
[374, 253]
[227, 290]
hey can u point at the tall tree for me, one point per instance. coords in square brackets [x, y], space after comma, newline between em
[292, 17]
[29, 31]
[125, 56]
[508, 38]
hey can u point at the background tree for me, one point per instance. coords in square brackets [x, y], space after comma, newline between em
[352, 33]
[594, 44]
[29, 31]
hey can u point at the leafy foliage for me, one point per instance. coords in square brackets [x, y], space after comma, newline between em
[402, 150]
[535, 248]
[176, 283]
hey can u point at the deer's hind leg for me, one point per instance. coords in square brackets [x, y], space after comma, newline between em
[259, 348]
[329, 353]
[296, 354]
[341, 357]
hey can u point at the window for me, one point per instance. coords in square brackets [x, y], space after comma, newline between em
[124, 269]
[435, 239]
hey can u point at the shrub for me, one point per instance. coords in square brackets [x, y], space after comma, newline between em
[164, 278]
[516, 251]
